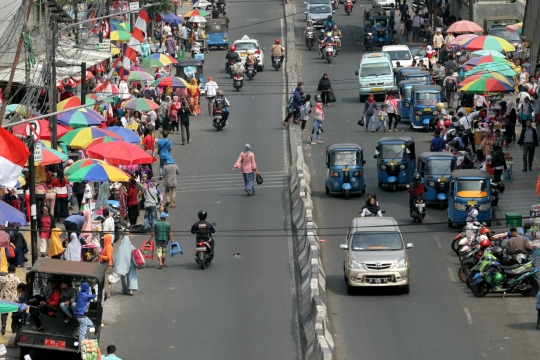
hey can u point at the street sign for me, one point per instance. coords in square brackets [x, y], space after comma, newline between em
[133, 6]
[105, 45]
[37, 153]
[33, 128]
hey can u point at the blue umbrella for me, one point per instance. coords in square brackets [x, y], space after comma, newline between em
[128, 135]
[171, 18]
[9, 214]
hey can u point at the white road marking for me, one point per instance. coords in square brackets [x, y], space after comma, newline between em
[484, 354]
[438, 241]
[468, 315]
[451, 275]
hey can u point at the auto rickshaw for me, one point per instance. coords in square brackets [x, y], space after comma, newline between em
[369, 13]
[396, 162]
[424, 103]
[382, 33]
[469, 188]
[404, 106]
[189, 69]
[435, 169]
[217, 33]
[345, 172]
[422, 76]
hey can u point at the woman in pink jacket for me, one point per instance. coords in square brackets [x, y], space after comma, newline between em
[246, 162]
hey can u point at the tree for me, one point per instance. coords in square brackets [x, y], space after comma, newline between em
[160, 7]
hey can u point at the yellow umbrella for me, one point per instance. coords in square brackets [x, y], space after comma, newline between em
[120, 35]
[115, 50]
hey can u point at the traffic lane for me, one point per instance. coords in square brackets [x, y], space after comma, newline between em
[241, 306]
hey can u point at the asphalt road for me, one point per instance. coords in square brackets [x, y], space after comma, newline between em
[440, 318]
[242, 306]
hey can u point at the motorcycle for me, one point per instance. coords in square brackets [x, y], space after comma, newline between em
[218, 122]
[203, 253]
[229, 65]
[419, 209]
[337, 41]
[309, 40]
[276, 62]
[370, 41]
[238, 82]
[348, 8]
[196, 48]
[418, 6]
[500, 278]
[250, 73]
[329, 52]
[335, 4]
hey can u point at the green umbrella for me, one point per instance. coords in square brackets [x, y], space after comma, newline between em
[492, 67]
[9, 307]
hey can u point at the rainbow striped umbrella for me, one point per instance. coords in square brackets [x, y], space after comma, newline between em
[127, 135]
[140, 76]
[157, 60]
[488, 75]
[196, 12]
[119, 35]
[82, 163]
[78, 119]
[488, 42]
[80, 138]
[485, 85]
[503, 69]
[170, 81]
[140, 104]
[50, 156]
[98, 172]
[515, 27]
[102, 140]
[68, 103]
[488, 52]
[489, 59]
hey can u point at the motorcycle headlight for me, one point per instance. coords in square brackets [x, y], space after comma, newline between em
[386, 32]
[402, 264]
[401, 167]
[356, 173]
[383, 167]
[431, 183]
[484, 207]
[353, 264]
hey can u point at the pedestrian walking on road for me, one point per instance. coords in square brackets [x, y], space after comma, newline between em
[164, 147]
[324, 88]
[163, 113]
[370, 108]
[392, 109]
[169, 180]
[151, 199]
[106, 257]
[210, 89]
[46, 225]
[528, 141]
[173, 114]
[317, 125]
[246, 164]
[382, 118]
[305, 111]
[183, 115]
[132, 203]
[111, 351]
[498, 162]
[125, 267]
[162, 234]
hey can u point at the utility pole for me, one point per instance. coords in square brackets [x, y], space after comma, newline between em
[83, 83]
[32, 189]
[76, 15]
[53, 96]
[471, 10]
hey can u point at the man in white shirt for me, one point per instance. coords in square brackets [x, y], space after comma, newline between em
[523, 78]
[123, 120]
[108, 224]
[210, 89]
[480, 102]
[466, 123]
[166, 28]
[522, 95]
[152, 116]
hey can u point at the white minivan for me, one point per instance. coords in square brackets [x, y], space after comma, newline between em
[400, 53]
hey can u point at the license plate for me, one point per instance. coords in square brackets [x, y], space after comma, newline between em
[55, 343]
[443, 179]
[218, 117]
[329, 48]
[427, 109]
[378, 281]
[239, 78]
[376, 89]
[201, 248]
[472, 203]
[243, 54]
[420, 205]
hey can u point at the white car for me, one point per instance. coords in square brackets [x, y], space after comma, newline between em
[385, 4]
[400, 53]
[419, 53]
[203, 5]
[311, 3]
[246, 45]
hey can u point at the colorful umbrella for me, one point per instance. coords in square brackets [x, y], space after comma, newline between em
[488, 42]
[92, 98]
[97, 173]
[489, 59]
[140, 76]
[106, 89]
[50, 156]
[115, 50]
[127, 135]
[119, 35]
[485, 85]
[9, 307]
[78, 119]
[196, 12]
[170, 81]
[79, 164]
[489, 67]
[488, 75]
[157, 60]
[45, 129]
[73, 101]
[488, 52]
[47, 144]
[140, 104]
[122, 26]
[464, 26]
[101, 140]
[197, 19]
[9, 214]
[515, 28]
[462, 39]
[120, 153]
[16, 108]
[80, 138]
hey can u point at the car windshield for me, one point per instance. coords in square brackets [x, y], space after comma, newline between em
[376, 69]
[472, 188]
[505, 34]
[246, 46]
[380, 23]
[427, 99]
[314, 2]
[344, 157]
[399, 54]
[420, 79]
[440, 166]
[392, 151]
[406, 92]
[216, 28]
[320, 10]
[376, 241]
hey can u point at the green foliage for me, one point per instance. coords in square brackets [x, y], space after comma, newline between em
[160, 6]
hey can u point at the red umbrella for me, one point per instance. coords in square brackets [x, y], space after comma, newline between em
[45, 130]
[464, 26]
[120, 153]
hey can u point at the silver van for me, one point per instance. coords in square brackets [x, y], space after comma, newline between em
[375, 254]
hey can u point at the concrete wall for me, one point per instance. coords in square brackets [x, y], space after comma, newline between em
[482, 9]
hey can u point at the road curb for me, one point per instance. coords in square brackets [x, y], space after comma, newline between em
[317, 341]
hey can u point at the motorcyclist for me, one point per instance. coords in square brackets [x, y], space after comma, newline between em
[328, 23]
[309, 28]
[337, 32]
[416, 188]
[220, 99]
[457, 144]
[232, 56]
[277, 50]
[371, 207]
[251, 59]
[368, 28]
[203, 230]
[518, 244]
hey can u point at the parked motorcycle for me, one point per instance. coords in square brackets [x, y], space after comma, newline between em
[329, 52]
[238, 82]
[250, 72]
[218, 122]
[419, 209]
[508, 279]
[276, 62]
[309, 40]
[348, 8]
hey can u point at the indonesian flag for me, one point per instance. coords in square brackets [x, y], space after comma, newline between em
[137, 36]
[100, 87]
[13, 156]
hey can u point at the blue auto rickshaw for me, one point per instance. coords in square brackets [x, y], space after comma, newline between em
[422, 76]
[189, 69]
[217, 33]
[404, 106]
[469, 188]
[382, 33]
[402, 71]
[396, 162]
[424, 103]
[435, 169]
[345, 174]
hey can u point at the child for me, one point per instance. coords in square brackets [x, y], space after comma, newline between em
[382, 118]
[83, 298]
[317, 125]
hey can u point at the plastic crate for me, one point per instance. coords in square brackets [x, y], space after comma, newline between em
[514, 219]
[508, 175]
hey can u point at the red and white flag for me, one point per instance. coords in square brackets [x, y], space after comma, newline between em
[137, 36]
[13, 157]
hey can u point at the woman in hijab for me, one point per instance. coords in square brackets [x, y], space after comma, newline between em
[194, 97]
[173, 114]
[317, 125]
[73, 249]
[246, 164]
[124, 266]
[324, 88]
[510, 122]
[21, 247]
[56, 248]
[392, 110]
[371, 208]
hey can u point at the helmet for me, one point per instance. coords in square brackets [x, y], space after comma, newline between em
[484, 241]
[485, 231]
[521, 258]
[497, 278]
[202, 214]
[276, 41]
[496, 251]
[329, 17]
[416, 177]
[233, 48]
[495, 146]
[447, 123]
[440, 106]
[473, 212]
